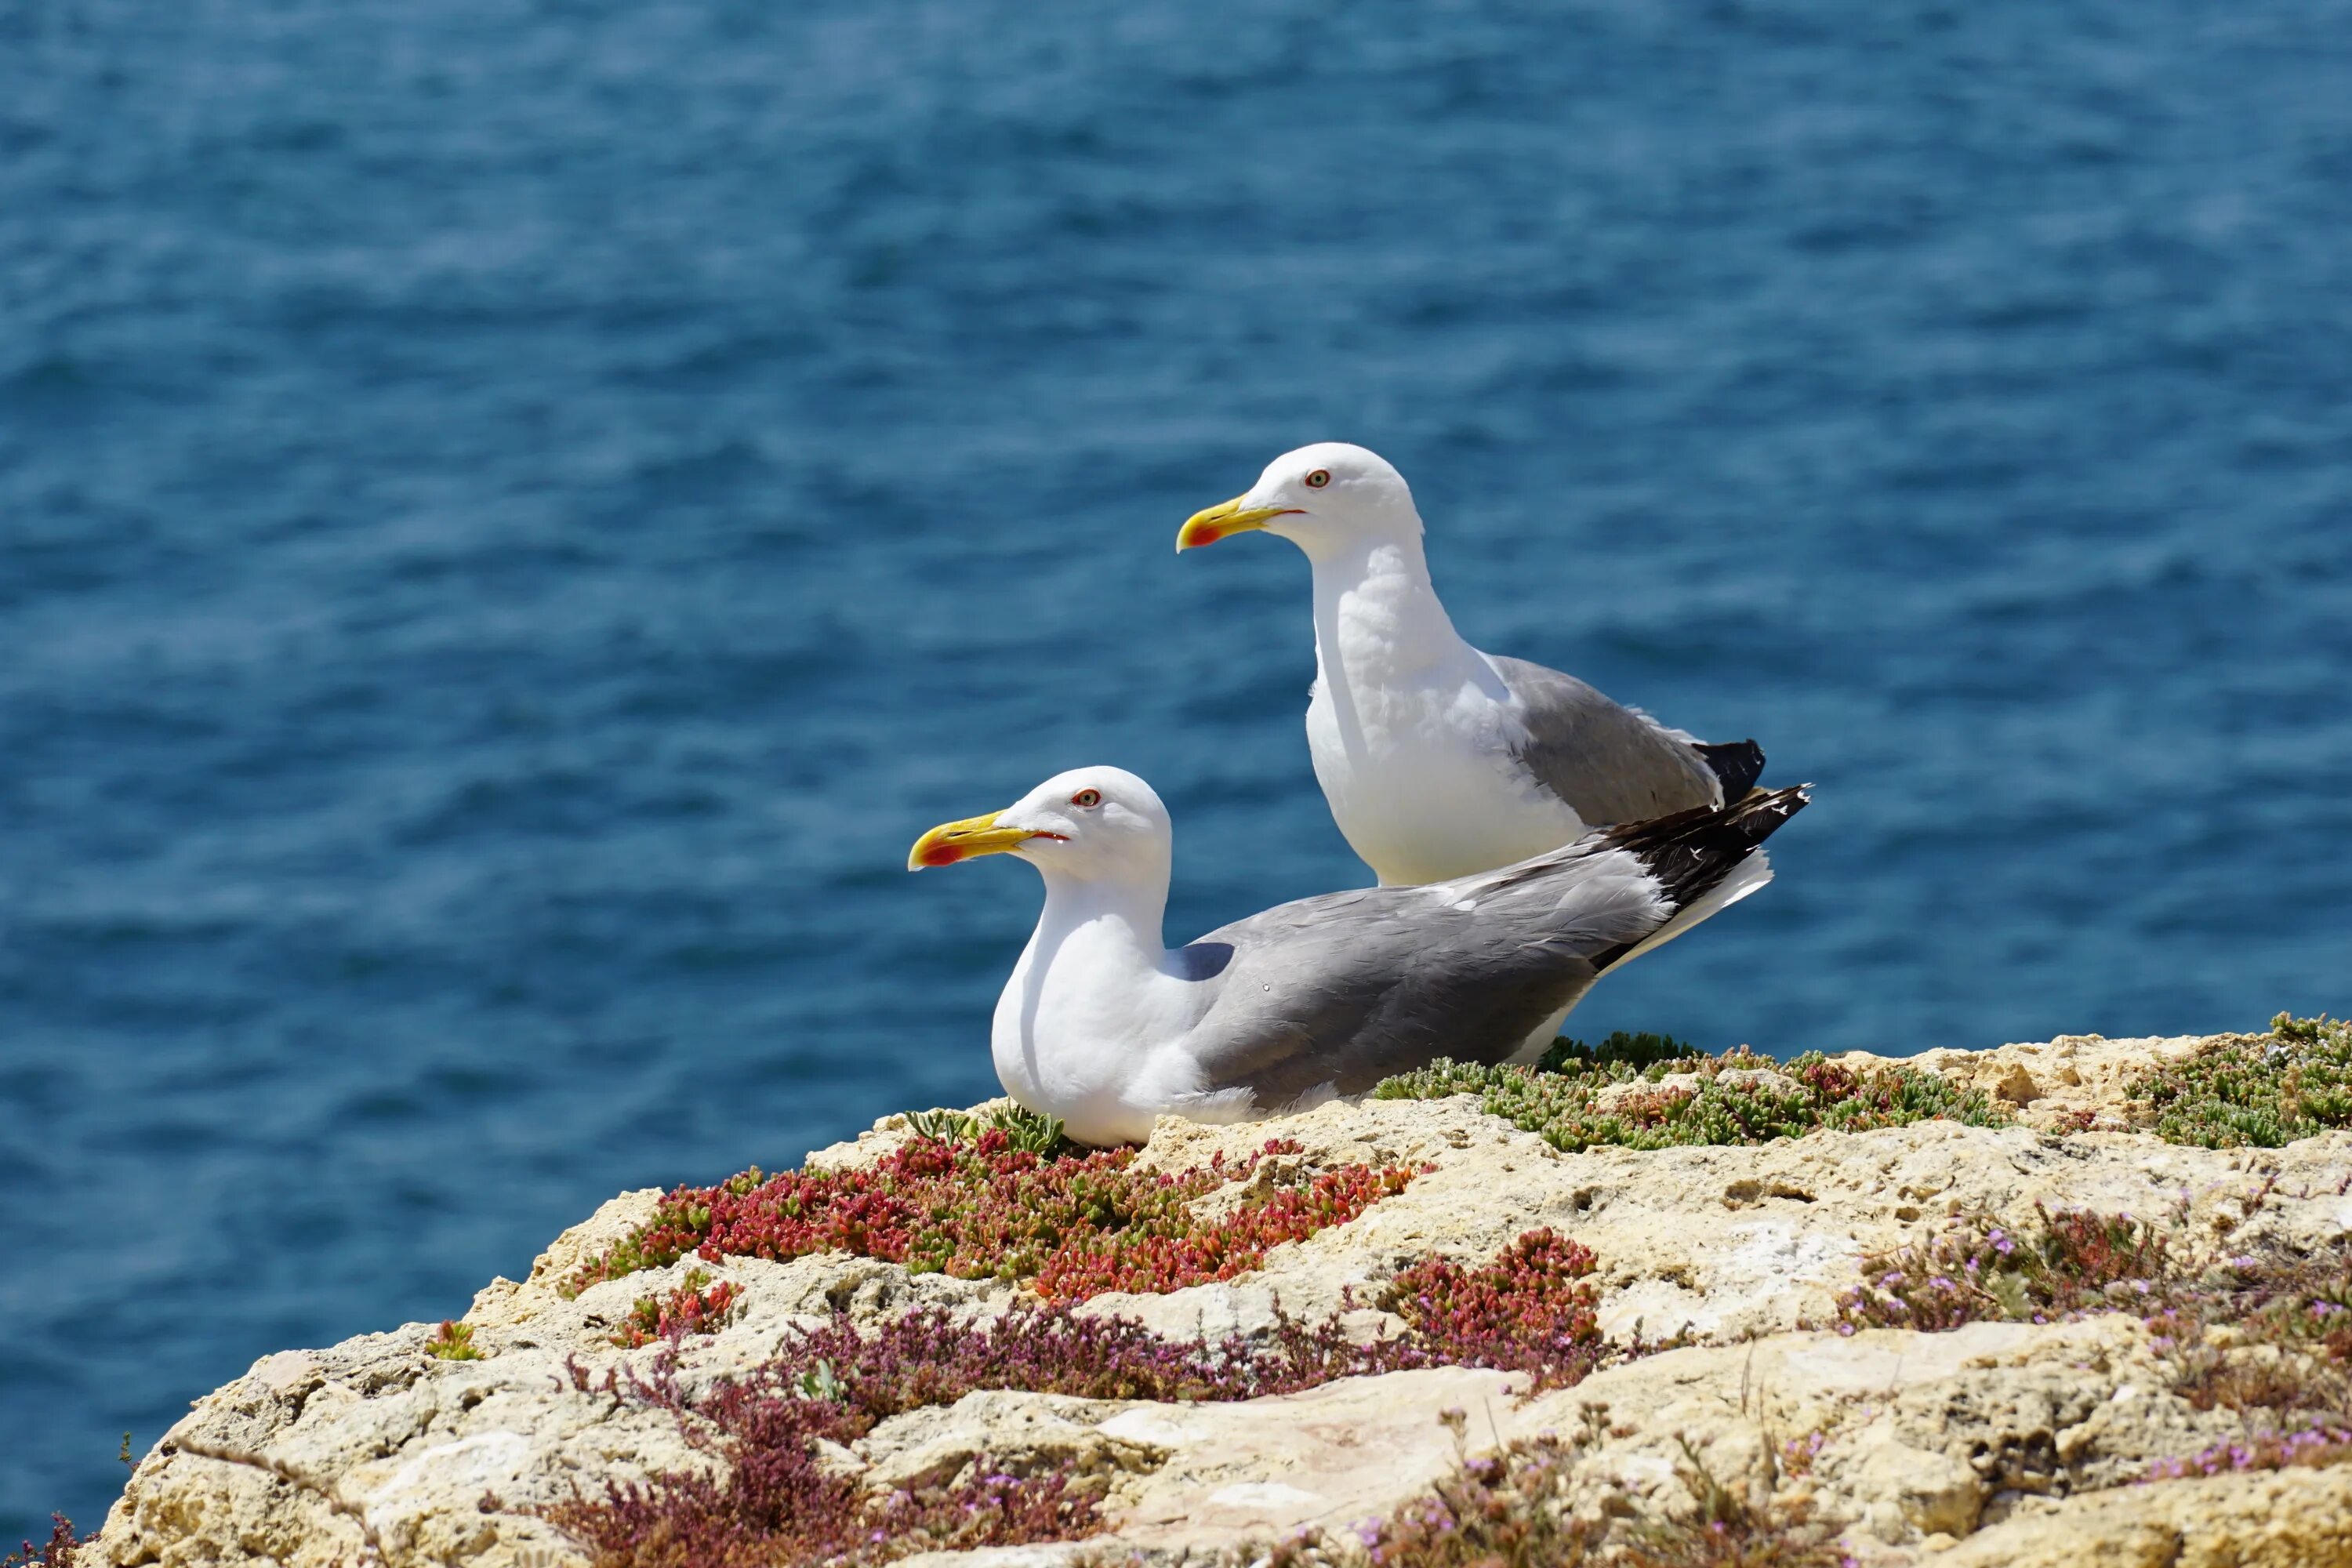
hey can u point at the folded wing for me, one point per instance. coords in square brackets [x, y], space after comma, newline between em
[1614, 764]
[1339, 992]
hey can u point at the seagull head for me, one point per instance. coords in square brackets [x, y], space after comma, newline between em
[1323, 499]
[1090, 823]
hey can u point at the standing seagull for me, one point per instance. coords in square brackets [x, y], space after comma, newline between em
[1439, 760]
[1105, 1027]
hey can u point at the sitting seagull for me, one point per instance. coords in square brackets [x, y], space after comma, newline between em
[1439, 760]
[1106, 1027]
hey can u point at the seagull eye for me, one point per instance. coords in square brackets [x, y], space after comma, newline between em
[1318, 478]
[1087, 797]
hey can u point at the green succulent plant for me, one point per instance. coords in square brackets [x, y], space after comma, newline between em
[1646, 1091]
[2260, 1090]
[1023, 1129]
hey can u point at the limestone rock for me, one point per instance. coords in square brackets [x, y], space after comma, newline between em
[2283, 1519]
[1020, 1434]
[2048, 1083]
[1998, 1443]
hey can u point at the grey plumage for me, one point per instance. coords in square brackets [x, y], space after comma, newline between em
[1614, 764]
[1340, 991]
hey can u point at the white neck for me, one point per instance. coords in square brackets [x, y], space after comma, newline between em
[1118, 916]
[1088, 969]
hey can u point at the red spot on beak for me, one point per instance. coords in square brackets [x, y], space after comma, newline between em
[941, 855]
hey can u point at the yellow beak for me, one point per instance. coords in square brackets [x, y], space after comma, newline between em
[952, 841]
[1229, 518]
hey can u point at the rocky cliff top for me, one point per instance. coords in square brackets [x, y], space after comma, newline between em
[1998, 1306]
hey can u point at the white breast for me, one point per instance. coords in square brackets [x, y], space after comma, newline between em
[1425, 784]
[1085, 1032]
[1411, 731]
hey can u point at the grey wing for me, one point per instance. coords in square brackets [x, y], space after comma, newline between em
[1610, 763]
[1347, 989]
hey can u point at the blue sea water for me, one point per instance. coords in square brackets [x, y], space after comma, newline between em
[513, 514]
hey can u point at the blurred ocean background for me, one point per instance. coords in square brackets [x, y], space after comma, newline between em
[513, 515]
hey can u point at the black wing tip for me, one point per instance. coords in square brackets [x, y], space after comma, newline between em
[1691, 851]
[1752, 819]
[1745, 823]
[1737, 765]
